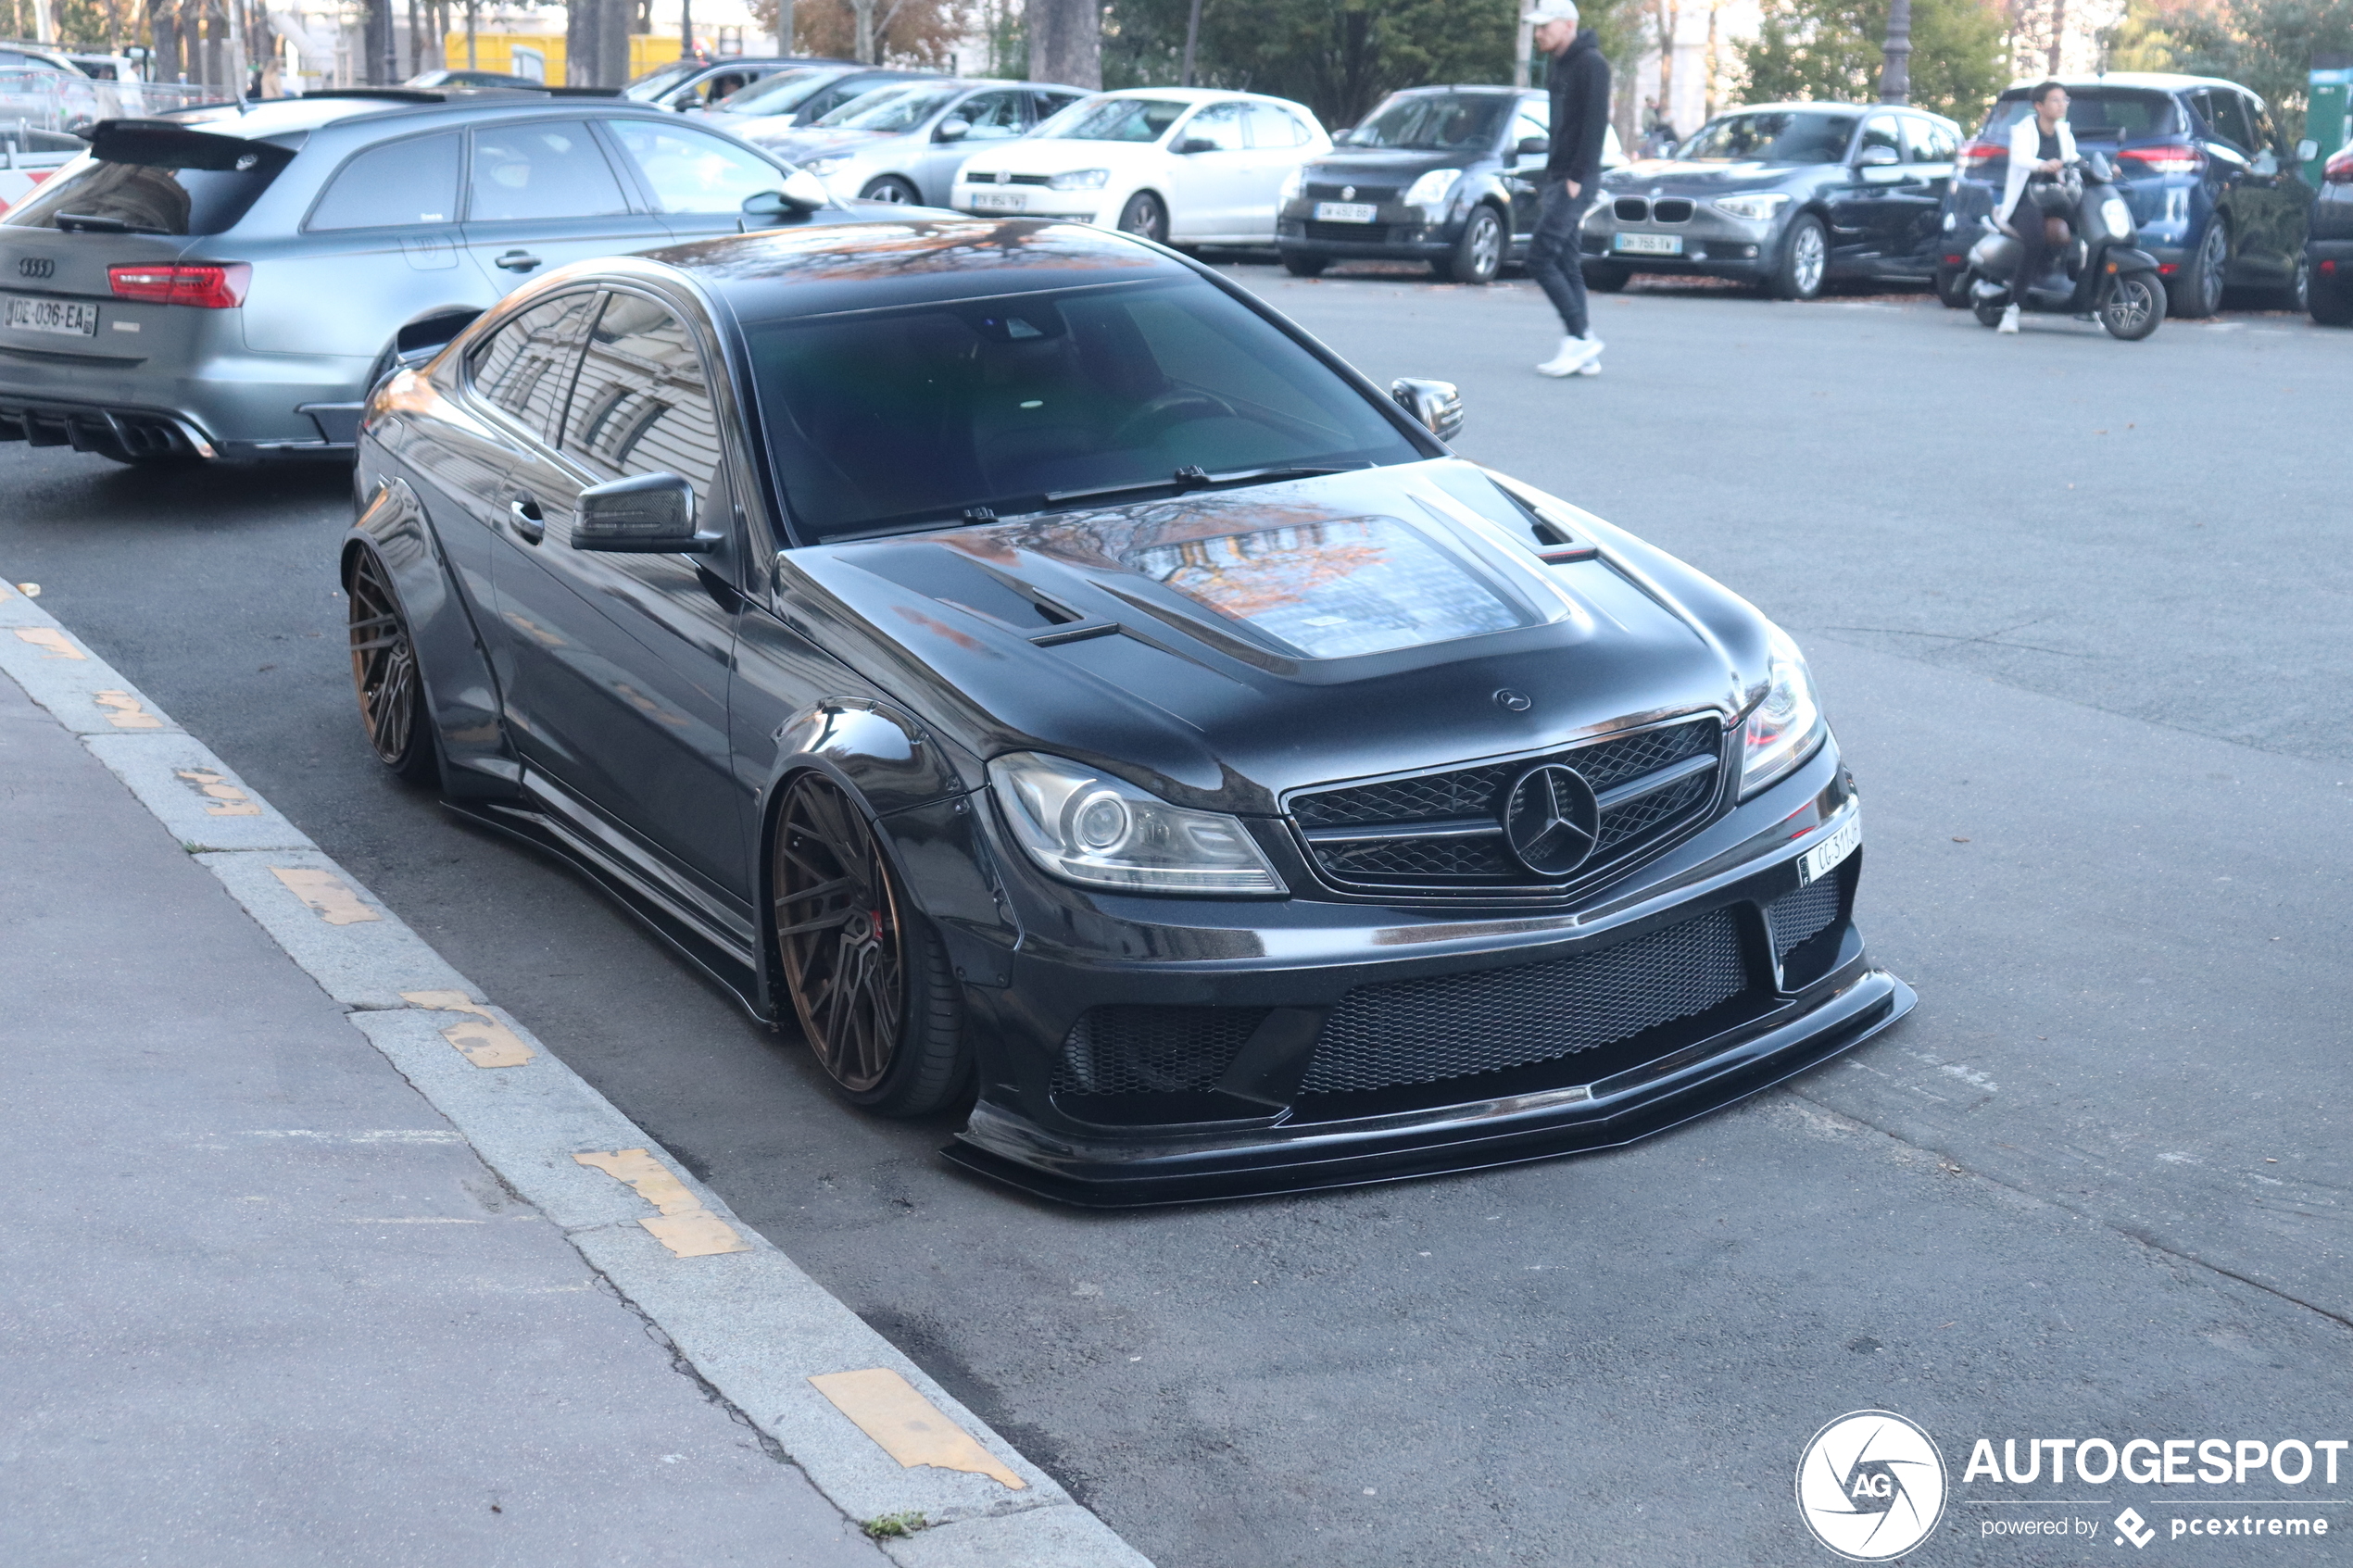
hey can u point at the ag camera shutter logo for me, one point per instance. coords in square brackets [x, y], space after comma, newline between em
[1870, 1485]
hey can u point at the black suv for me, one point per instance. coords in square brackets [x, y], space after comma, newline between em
[2213, 190]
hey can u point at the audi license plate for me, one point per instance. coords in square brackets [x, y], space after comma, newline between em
[1651, 244]
[1823, 859]
[53, 316]
[999, 201]
[1346, 212]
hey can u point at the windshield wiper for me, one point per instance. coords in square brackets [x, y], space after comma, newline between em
[981, 514]
[1193, 478]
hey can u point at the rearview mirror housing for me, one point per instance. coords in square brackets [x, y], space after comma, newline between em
[1196, 145]
[2307, 150]
[651, 514]
[1437, 405]
[428, 335]
[955, 127]
[1531, 145]
[801, 194]
[1877, 158]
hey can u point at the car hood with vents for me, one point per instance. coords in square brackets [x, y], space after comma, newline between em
[1223, 647]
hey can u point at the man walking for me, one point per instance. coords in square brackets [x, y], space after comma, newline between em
[1580, 82]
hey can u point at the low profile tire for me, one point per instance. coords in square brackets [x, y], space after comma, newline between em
[385, 674]
[2198, 290]
[2135, 306]
[1805, 262]
[1477, 255]
[1301, 265]
[868, 978]
[1608, 279]
[1145, 217]
[2332, 303]
[891, 188]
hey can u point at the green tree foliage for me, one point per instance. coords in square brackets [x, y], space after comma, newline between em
[1828, 50]
[2265, 44]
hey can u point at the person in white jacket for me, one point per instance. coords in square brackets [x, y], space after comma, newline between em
[2042, 143]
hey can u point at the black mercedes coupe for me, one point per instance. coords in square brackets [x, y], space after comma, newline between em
[1019, 660]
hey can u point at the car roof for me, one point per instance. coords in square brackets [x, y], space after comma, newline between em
[277, 116]
[50, 52]
[2158, 80]
[1183, 94]
[782, 274]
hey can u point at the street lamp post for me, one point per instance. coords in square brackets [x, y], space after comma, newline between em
[1895, 68]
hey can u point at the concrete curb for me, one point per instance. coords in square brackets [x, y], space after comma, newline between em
[747, 1321]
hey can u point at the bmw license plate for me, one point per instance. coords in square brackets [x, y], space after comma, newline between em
[66, 315]
[1824, 858]
[999, 201]
[1651, 244]
[1346, 212]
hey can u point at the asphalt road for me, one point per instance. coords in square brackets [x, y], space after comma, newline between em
[2080, 610]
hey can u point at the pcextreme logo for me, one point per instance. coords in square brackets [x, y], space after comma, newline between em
[1870, 1485]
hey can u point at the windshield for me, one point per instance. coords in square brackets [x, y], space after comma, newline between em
[892, 419]
[154, 183]
[1115, 120]
[654, 82]
[1772, 136]
[891, 108]
[1435, 122]
[2097, 114]
[774, 95]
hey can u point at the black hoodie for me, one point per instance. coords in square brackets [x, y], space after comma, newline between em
[1580, 81]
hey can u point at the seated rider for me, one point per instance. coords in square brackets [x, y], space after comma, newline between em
[2042, 144]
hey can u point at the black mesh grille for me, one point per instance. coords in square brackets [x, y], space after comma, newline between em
[1455, 1025]
[1477, 793]
[1672, 209]
[1327, 193]
[1363, 234]
[1148, 1050]
[1800, 916]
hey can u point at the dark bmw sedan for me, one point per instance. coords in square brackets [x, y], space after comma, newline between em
[1788, 195]
[2213, 189]
[1017, 659]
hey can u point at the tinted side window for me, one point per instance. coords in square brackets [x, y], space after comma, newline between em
[527, 366]
[550, 168]
[992, 116]
[401, 182]
[642, 404]
[690, 170]
[2266, 134]
[2226, 114]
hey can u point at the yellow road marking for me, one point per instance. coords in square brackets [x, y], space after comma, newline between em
[687, 1228]
[336, 904]
[124, 712]
[52, 639]
[911, 1429]
[226, 799]
[482, 1039]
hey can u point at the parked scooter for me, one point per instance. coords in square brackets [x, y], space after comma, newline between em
[2101, 274]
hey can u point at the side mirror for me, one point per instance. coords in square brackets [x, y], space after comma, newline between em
[1437, 404]
[1878, 158]
[652, 514]
[799, 193]
[422, 339]
[2307, 150]
[953, 129]
[1532, 146]
[1196, 145]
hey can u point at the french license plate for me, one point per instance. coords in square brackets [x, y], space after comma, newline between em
[53, 316]
[1651, 244]
[1346, 212]
[999, 201]
[1823, 859]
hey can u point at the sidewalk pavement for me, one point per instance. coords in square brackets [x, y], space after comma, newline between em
[315, 1257]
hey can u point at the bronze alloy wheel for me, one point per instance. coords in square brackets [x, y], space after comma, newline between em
[867, 980]
[383, 669]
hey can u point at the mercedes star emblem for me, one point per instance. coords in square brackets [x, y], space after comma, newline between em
[1551, 819]
[1510, 701]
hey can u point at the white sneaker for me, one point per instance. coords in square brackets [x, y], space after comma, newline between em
[2009, 320]
[1591, 366]
[1575, 355]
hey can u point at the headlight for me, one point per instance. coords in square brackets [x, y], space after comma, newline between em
[821, 166]
[1432, 188]
[1088, 827]
[1294, 185]
[1757, 208]
[1080, 180]
[2117, 217]
[1783, 729]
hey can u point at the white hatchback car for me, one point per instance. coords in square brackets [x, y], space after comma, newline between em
[1188, 166]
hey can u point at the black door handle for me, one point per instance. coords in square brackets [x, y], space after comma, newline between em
[529, 526]
[517, 261]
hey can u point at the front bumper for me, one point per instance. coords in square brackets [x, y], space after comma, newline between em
[1398, 233]
[1712, 245]
[1037, 201]
[1281, 1116]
